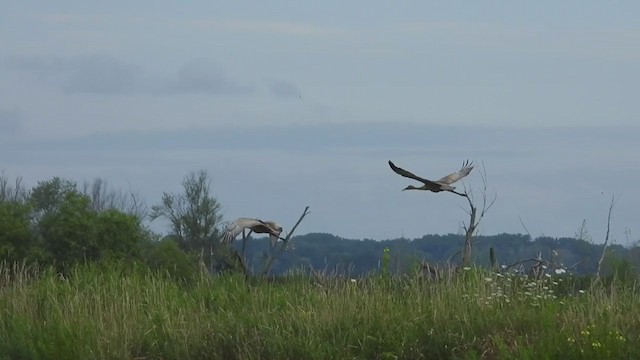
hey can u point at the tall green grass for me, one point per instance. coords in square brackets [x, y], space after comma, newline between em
[123, 312]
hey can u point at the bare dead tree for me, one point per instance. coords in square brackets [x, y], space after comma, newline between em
[540, 265]
[536, 260]
[475, 218]
[102, 198]
[525, 228]
[279, 247]
[583, 232]
[12, 193]
[134, 204]
[606, 239]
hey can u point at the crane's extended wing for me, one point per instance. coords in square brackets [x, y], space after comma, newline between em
[453, 177]
[410, 175]
[236, 227]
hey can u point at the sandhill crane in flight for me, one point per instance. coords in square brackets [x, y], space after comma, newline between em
[239, 225]
[443, 184]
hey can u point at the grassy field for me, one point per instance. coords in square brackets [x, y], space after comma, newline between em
[120, 312]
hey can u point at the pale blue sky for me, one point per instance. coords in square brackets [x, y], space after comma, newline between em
[288, 104]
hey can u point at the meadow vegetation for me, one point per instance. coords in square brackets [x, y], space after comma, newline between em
[127, 311]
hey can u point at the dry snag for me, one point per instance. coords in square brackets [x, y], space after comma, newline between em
[606, 239]
[276, 251]
[475, 217]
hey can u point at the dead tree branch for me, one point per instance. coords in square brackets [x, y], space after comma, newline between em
[525, 227]
[9, 193]
[537, 260]
[606, 239]
[278, 248]
[474, 217]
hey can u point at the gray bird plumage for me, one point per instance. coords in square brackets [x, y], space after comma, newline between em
[256, 225]
[443, 184]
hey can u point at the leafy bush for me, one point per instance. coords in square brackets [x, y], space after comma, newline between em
[166, 257]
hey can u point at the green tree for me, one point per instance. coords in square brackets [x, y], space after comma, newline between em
[74, 232]
[118, 235]
[69, 233]
[165, 257]
[48, 195]
[16, 240]
[194, 215]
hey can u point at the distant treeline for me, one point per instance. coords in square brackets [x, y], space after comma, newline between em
[60, 223]
[326, 252]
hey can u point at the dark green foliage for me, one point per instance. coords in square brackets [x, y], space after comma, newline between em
[118, 235]
[16, 240]
[56, 224]
[74, 233]
[166, 257]
[47, 196]
[69, 233]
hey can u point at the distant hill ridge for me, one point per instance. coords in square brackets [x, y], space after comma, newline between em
[323, 251]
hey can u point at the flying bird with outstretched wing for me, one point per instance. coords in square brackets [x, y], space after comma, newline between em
[256, 225]
[443, 184]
